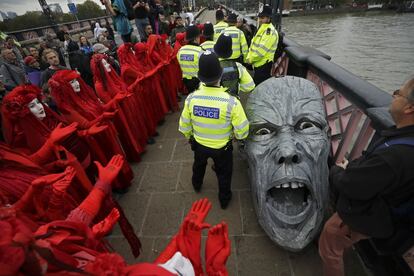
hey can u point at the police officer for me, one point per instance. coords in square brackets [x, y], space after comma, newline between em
[210, 118]
[235, 76]
[188, 56]
[220, 24]
[263, 47]
[208, 33]
[240, 48]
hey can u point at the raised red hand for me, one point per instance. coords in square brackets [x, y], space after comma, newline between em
[47, 179]
[189, 243]
[103, 227]
[61, 132]
[199, 211]
[108, 173]
[63, 183]
[96, 128]
[218, 249]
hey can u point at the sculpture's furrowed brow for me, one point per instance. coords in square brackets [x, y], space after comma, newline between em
[266, 113]
[309, 107]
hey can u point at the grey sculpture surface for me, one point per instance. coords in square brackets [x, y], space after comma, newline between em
[287, 151]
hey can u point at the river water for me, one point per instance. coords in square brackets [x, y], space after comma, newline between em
[376, 46]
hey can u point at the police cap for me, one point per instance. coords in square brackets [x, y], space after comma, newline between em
[208, 29]
[209, 68]
[266, 11]
[223, 46]
[192, 33]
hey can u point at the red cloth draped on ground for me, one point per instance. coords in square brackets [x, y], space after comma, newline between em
[23, 130]
[159, 52]
[84, 108]
[108, 85]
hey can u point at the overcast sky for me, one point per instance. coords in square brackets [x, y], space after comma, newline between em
[22, 6]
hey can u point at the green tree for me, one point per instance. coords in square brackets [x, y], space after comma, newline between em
[31, 19]
[89, 9]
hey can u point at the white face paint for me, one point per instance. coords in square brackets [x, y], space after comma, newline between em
[37, 109]
[75, 85]
[106, 65]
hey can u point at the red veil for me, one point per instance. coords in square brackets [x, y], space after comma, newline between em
[161, 53]
[128, 121]
[131, 72]
[23, 130]
[86, 109]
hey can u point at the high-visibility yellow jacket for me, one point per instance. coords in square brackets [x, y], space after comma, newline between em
[187, 57]
[208, 45]
[240, 46]
[263, 46]
[212, 116]
[218, 28]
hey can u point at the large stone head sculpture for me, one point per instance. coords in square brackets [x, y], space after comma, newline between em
[287, 151]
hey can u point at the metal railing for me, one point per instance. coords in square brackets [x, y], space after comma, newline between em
[30, 36]
[354, 108]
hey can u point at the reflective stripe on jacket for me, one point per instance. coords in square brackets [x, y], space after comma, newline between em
[240, 46]
[212, 116]
[218, 28]
[263, 46]
[187, 57]
[208, 45]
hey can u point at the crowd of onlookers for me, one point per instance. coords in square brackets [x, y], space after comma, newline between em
[36, 63]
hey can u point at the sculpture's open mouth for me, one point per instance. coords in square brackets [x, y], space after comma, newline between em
[290, 202]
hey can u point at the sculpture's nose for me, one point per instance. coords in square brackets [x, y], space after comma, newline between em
[288, 153]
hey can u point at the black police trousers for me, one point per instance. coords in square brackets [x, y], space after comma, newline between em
[191, 84]
[262, 73]
[223, 162]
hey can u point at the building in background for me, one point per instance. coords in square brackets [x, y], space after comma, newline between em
[3, 15]
[56, 8]
[11, 14]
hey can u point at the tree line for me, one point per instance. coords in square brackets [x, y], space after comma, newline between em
[34, 19]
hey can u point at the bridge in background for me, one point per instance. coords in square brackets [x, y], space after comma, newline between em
[84, 27]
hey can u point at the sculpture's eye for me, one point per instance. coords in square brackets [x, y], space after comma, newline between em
[304, 125]
[307, 124]
[262, 131]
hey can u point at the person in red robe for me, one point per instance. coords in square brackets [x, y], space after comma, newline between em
[28, 123]
[134, 77]
[160, 52]
[179, 42]
[109, 86]
[73, 247]
[77, 102]
[18, 171]
[61, 245]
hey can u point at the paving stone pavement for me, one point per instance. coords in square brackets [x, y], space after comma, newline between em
[161, 194]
